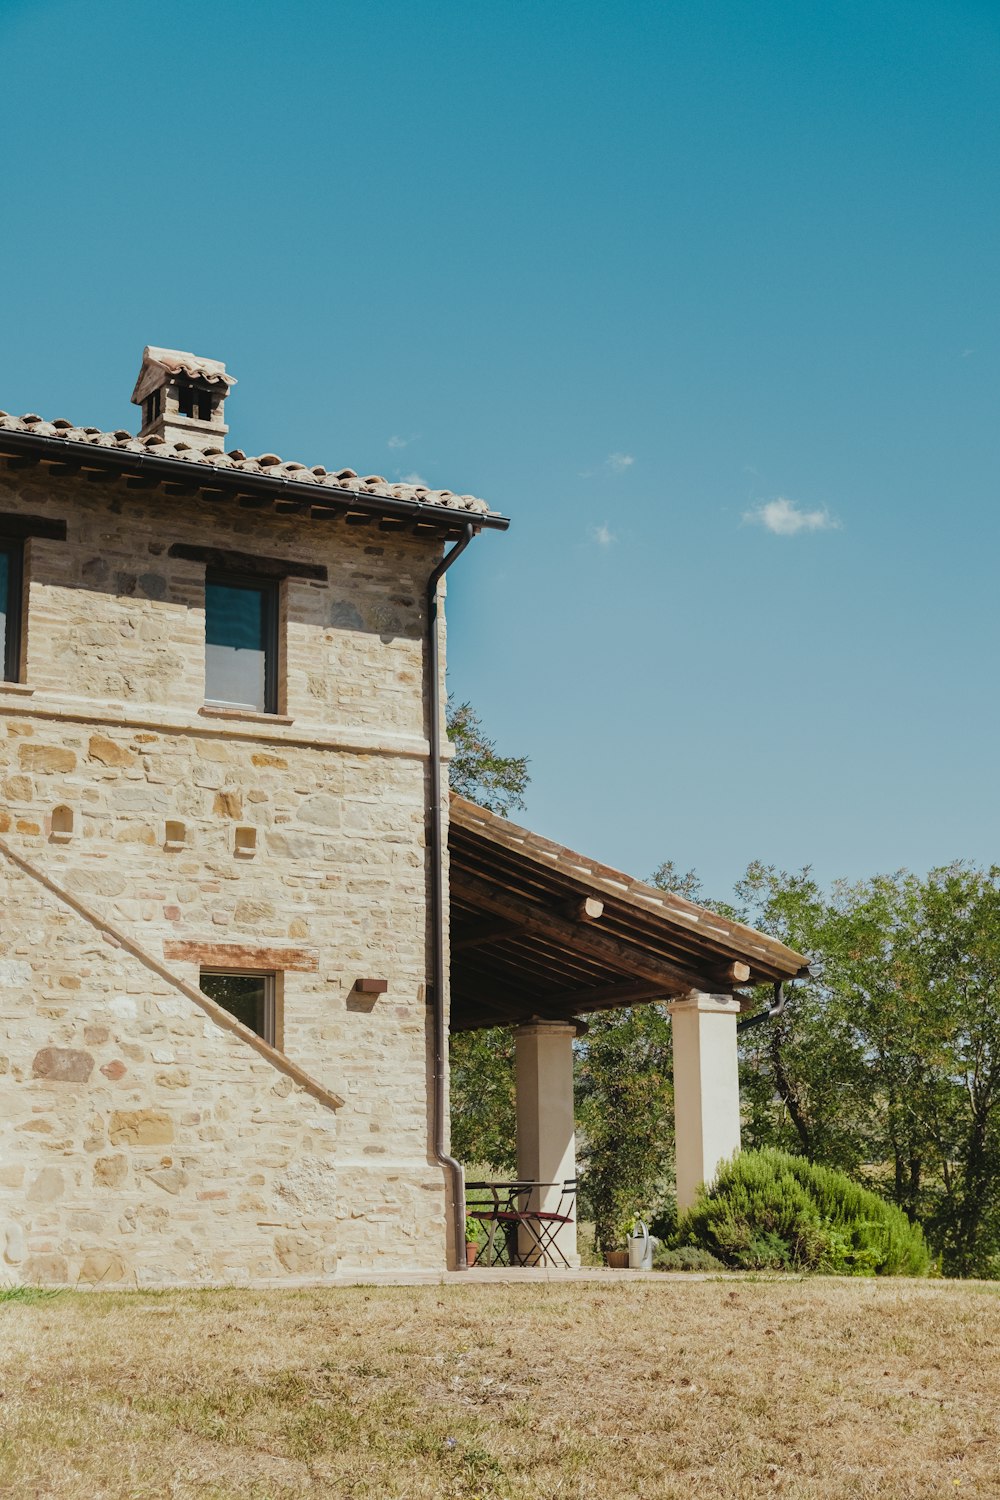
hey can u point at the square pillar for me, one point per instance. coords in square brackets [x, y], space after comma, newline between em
[546, 1140]
[706, 1089]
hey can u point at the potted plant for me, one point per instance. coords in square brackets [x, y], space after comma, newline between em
[474, 1237]
[618, 1259]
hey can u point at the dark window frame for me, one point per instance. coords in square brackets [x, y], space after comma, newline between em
[270, 590]
[14, 552]
[268, 1029]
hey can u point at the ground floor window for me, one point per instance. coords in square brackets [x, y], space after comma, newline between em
[248, 997]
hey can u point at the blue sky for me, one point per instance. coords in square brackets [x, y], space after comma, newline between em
[702, 295]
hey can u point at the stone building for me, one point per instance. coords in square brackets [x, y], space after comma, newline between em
[223, 871]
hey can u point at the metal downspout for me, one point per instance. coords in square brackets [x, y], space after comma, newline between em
[456, 1209]
[775, 1009]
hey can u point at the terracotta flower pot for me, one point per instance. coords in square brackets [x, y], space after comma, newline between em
[471, 1252]
[616, 1259]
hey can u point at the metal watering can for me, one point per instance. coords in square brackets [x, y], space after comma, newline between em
[641, 1245]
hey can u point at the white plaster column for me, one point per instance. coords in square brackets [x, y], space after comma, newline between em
[546, 1142]
[706, 1089]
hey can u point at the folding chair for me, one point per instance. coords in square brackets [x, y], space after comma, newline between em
[495, 1206]
[543, 1225]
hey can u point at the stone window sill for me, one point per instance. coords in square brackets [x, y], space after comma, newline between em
[16, 687]
[244, 715]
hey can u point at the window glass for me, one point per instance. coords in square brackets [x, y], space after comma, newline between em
[239, 666]
[4, 606]
[10, 611]
[248, 997]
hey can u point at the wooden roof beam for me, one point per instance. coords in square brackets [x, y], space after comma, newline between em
[481, 933]
[583, 937]
[631, 992]
[586, 909]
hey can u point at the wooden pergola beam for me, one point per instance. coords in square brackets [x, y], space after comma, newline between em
[482, 933]
[583, 937]
[629, 992]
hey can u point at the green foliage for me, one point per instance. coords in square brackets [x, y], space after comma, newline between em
[476, 771]
[483, 1114]
[685, 1258]
[475, 1231]
[624, 1093]
[888, 1065]
[28, 1293]
[770, 1210]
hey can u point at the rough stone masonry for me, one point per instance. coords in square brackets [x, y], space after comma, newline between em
[143, 1138]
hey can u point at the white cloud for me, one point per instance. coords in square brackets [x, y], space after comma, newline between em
[415, 479]
[620, 462]
[784, 518]
[603, 535]
[401, 442]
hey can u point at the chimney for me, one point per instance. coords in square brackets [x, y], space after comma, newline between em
[181, 397]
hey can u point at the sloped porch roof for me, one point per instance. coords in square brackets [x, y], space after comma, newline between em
[538, 930]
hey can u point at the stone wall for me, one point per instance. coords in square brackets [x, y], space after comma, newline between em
[298, 841]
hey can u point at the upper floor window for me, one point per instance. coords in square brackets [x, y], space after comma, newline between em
[10, 610]
[241, 642]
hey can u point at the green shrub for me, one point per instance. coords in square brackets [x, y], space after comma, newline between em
[685, 1258]
[769, 1210]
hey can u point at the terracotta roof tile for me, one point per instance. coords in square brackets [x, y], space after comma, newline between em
[267, 463]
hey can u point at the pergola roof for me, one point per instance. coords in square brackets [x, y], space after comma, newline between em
[537, 930]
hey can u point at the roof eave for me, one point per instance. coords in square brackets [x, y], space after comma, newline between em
[200, 476]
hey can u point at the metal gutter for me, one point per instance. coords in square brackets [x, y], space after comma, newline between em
[436, 807]
[201, 476]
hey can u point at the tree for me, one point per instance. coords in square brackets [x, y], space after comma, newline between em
[496, 782]
[625, 1104]
[889, 1063]
[483, 1116]
[624, 1107]
[483, 1110]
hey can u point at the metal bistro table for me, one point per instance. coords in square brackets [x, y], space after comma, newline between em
[504, 1209]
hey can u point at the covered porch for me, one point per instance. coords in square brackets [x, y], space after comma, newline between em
[541, 936]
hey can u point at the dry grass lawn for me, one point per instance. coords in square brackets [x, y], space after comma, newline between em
[721, 1389]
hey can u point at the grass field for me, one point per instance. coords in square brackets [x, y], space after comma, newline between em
[721, 1389]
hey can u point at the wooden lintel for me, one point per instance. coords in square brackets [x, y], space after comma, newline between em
[248, 562]
[585, 938]
[241, 956]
